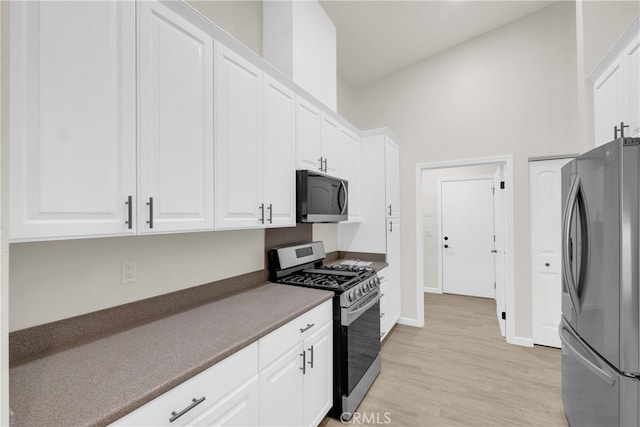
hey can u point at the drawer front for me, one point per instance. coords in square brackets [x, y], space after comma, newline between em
[384, 307]
[386, 323]
[287, 336]
[383, 275]
[213, 385]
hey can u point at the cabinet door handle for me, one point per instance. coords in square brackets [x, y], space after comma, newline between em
[195, 402]
[150, 204]
[304, 362]
[389, 210]
[382, 334]
[311, 361]
[321, 163]
[390, 226]
[270, 213]
[621, 130]
[129, 220]
[261, 207]
[382, 295]
[382, 315]
[309, 326]
[325, 164]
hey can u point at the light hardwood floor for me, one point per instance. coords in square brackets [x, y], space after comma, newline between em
[459, 371]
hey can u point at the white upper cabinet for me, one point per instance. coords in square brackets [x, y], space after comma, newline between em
[239, 142]
[351, 170]
[392, 182]
[308, 136]
[279, 130]
[72, 121]
[175, 122]
[616, 89]
[330, 144]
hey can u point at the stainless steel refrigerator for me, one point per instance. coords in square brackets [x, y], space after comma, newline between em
[600, 295]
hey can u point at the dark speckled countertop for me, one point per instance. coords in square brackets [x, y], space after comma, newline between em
[98, 382]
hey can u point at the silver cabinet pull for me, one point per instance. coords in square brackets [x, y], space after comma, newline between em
[261, 207]
[150, 204]
[382, 315]
[389, 210]
[175, 415]
[390, 226]
[309, 326]
[321, 170]
[311, 361]
[325, 165]
[382, 295]
[304, 362]
[270, 213]
[129, 220]
[382, 334]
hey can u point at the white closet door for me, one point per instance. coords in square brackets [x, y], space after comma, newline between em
[545, 181]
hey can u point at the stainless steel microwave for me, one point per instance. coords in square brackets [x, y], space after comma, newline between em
[321, 198]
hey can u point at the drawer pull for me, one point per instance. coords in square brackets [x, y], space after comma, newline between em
[309, 326]
[304, 362]
[311, 361]
[382, 334]
[175, 415]
[382, 295]
[382, 315]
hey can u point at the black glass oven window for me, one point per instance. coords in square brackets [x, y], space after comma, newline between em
[303, 252]
[363, 345]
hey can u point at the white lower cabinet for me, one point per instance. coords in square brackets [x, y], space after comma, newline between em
[225, 394]
[286, 378]
[389, 301]
[296, 370]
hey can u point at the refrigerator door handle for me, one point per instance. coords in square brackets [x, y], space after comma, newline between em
[598, 371]
[567, 271]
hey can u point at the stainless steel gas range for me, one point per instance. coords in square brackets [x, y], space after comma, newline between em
[356, 317]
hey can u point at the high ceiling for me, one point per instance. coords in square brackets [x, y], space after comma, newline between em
[376, 38]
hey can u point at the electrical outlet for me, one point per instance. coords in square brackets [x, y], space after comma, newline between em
[128, 271]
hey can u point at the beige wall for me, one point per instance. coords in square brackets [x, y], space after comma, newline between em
[431, 214]
[241, 19]
[510, 91]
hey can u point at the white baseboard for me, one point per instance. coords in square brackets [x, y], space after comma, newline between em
[525, 342]
[432, 290]
[410, 322]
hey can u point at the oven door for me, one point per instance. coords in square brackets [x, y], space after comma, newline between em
[360, 333]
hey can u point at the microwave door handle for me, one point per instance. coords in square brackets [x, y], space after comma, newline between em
[346, 197]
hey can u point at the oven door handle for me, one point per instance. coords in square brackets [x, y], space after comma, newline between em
[348, 316]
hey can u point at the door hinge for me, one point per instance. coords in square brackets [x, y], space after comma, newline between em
[502, 185]
[504, 315]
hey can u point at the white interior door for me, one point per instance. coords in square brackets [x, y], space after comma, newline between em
[499, 224]
[467, 237]
[545, 179]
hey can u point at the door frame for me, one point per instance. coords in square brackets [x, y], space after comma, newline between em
[507, 162]
[440, 180]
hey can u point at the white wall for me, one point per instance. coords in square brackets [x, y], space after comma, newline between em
[4, 219]
[510, 91]
[431, 214]
[300, 40]
[241, 19]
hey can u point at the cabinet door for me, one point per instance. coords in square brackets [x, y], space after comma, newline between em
[351, 170]
[318, 378]
[281, 388]
[238, 408]
[608, 102]
[330, 137]
[176, 129]
[631, 59]
[308, 136]
[279, 154]
[72, 123]
[394, 278]
[392, 166]
[238, 146]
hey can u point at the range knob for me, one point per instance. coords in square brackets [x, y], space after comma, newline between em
[358, 293]
[372, 283]
[365, 288]
[351, 296]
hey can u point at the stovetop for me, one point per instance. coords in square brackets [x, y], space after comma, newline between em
[336, 278]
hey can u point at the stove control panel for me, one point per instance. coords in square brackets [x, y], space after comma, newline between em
[360, 290]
